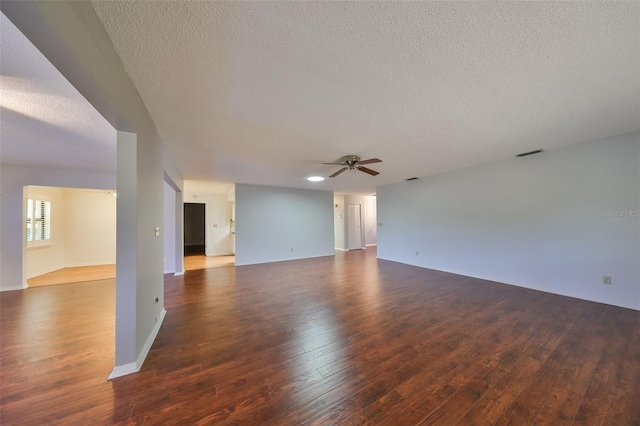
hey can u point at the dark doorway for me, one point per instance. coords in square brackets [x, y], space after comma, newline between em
[194, 229]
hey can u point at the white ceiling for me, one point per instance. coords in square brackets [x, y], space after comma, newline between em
[44, 121]
[262, 92]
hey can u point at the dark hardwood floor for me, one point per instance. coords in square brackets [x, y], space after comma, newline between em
[344, 340]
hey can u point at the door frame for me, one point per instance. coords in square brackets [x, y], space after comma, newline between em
[206, 221]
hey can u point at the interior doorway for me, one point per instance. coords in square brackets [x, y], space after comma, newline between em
[194, 229]
[70, 235]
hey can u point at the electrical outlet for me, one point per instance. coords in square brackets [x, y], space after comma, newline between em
[606, 280]
[417, 253]
[291, 248]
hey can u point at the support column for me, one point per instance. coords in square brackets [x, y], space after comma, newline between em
[126, 255]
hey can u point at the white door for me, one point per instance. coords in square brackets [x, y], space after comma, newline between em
[354, 232]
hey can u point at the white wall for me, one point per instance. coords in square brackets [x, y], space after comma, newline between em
[169, 229]
[270, 221]
[89, 227]
[218, 214]
[547, 222]
[370, 221]
[219, 238]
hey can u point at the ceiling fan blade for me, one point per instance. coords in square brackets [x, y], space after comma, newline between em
[370, 161]
[367, 170]
[338, 172]
[329, 164]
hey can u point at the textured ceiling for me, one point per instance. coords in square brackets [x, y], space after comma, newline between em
[44, 121]
[261, 92]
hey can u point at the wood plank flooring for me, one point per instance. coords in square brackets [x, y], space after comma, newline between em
[76, 274]
[80, 274]
[347, 340]
[192, 263]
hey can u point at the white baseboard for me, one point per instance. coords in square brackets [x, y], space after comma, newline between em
[177, 274]
[341, 249]
[123, 370]
[100, 263]
[134, 367]
[371, 245]
[152, 336]
[12, 288]
[214, 254]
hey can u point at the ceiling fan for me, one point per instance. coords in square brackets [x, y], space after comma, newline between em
[353, 162]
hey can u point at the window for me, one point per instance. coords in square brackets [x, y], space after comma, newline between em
[38, 220]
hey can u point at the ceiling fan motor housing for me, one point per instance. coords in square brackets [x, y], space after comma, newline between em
[351, 161]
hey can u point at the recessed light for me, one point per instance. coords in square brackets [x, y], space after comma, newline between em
[315, 178]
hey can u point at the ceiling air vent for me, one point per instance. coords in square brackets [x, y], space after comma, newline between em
[413, 178]
[524, 154]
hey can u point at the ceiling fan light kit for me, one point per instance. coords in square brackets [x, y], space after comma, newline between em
[353, 162]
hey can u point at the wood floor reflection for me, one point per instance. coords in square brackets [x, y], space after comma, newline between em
[94, 273]
[194, 262]
[75, 274]
[344, 340]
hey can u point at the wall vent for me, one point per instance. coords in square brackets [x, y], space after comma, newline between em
[524, 154]
[413, 178]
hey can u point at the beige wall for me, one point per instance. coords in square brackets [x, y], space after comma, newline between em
[90, 228]
[47, 257]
